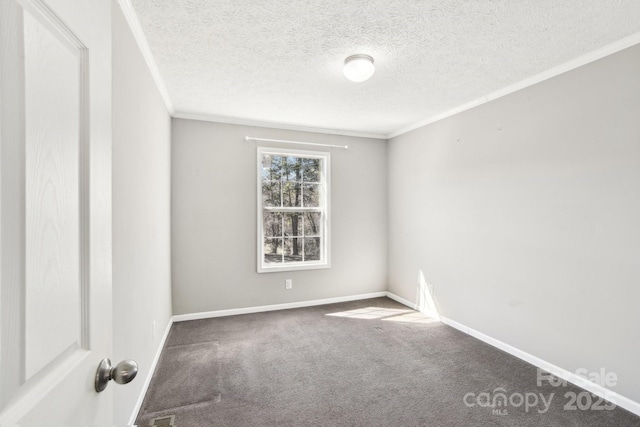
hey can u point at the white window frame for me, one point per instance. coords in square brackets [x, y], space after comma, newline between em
[325, 206]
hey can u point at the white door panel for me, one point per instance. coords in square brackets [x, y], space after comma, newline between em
[55, 206]
[54, 286]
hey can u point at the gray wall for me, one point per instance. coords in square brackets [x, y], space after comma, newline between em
[214, 220]
[141, 213]
[523, 215]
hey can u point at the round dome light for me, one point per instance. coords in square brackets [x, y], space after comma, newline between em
[359, 68]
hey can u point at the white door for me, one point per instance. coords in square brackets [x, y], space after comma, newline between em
[55, 211]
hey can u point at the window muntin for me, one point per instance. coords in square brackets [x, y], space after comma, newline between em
[293, 210]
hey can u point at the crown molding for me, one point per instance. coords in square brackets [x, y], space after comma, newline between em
[143, 45]
[136, 28]
[271, 125]
[585, 59]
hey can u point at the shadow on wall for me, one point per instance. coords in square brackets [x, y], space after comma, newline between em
[424, 298]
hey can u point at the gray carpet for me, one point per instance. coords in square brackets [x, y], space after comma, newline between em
[363, 363]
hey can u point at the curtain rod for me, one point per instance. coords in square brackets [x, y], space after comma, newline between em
[250, 138]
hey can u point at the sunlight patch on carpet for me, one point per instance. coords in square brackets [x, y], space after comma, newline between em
[415, 317]
[371, 313]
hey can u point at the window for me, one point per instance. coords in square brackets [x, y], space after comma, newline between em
[293, 210]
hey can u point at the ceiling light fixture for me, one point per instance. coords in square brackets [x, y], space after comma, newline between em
[359, 68]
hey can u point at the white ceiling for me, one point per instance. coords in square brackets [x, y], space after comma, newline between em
[280, 61]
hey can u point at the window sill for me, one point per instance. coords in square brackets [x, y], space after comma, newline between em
[291, 267]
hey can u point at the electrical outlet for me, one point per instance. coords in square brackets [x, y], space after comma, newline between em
[288, 284]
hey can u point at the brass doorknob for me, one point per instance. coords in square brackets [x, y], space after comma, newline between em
[123, 373]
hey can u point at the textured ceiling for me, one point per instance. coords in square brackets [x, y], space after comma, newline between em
[281, 61]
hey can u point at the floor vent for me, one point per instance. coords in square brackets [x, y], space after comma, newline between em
[165, 421]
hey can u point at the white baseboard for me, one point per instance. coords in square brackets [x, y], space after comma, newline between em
[597, 389]
[619, 400]
[152, 369]
[273, 307]
[622, 401]
[231, 312]
[402, 301]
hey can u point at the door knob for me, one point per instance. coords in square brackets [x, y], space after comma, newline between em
[123, 373]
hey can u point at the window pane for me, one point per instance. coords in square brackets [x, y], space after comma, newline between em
[293, 224]
[312, 222]
[271, 193]
[291, 195]
[272, 251]
[311, 195]
[292, 250]
[271, 167]
[311, 170]
[312, 249]
[272, 224]
[292, 169]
